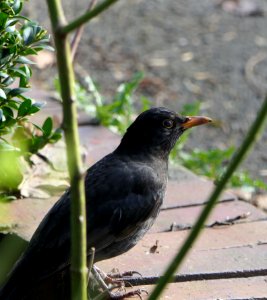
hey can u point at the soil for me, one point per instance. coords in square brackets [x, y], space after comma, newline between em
[189, 51]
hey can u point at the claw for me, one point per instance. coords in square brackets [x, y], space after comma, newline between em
[114, 281]
[121, 296]
[131, 273]
[116, 274]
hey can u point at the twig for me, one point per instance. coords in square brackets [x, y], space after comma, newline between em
[86, 17]
[79, 278]
[78, 33]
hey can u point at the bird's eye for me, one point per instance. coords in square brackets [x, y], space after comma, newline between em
[168, 123]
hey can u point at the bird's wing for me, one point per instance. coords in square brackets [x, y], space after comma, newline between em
[123, 197]
[117, 220]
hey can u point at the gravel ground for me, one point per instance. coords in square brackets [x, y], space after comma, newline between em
[189, 50]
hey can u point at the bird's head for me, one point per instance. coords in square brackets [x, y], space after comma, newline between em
[155, 131]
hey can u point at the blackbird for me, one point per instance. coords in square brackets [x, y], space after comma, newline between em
[124, 193]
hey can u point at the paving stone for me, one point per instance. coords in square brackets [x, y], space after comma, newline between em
[23, 216]
[98, 141]
[226, 289]
[222, 252]
[182, 218]
[191, 192]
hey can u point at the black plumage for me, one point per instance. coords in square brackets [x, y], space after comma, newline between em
[124, 192]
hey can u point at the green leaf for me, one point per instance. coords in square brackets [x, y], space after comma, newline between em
[22, 18]
[38, 142]
[24, 80]
[11, 29]
[17, 72]
[34, 109]
[3, 19]
[29, 51]
[47, 126]
[11, 22]
[42, 47]
[38, 127]
[4, 146]
[27, 71]
[8, 112]
[24, 108]
[13, 104]
[28, 35]
[2, 117]
[8, 80]
[9, 123]
[17, 91]
[3, 74]
[40, 104]
[2, 94]
[6, 58]
[17, 6]
[57, 135]
[25, 60]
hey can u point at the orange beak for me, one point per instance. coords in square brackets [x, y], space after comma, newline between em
[195, 121]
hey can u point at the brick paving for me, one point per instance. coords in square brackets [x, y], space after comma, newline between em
[228, 261]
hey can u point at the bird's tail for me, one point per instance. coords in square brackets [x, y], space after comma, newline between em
[18, 281]
[21, 287]
[11, 289]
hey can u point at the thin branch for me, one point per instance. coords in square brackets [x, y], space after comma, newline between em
[78, 34]
[78, 215]
[240, 154]
[65, 29]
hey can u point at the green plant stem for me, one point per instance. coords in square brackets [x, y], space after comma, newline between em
[238, 157]
[78, 214]
[87, 16]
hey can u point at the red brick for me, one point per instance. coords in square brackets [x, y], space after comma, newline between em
[191, 192]
[23, 216]
[238, 288]
[220, 251]
[185, 217]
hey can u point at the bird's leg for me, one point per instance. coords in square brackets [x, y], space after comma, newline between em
[108, 278]
[116, 278]
[102, 278]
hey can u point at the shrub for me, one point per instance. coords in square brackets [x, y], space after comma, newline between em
[19, 138]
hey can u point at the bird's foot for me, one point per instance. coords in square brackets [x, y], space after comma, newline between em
[109, 279]
[115, 277]
[120, 295]
[113, 280]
